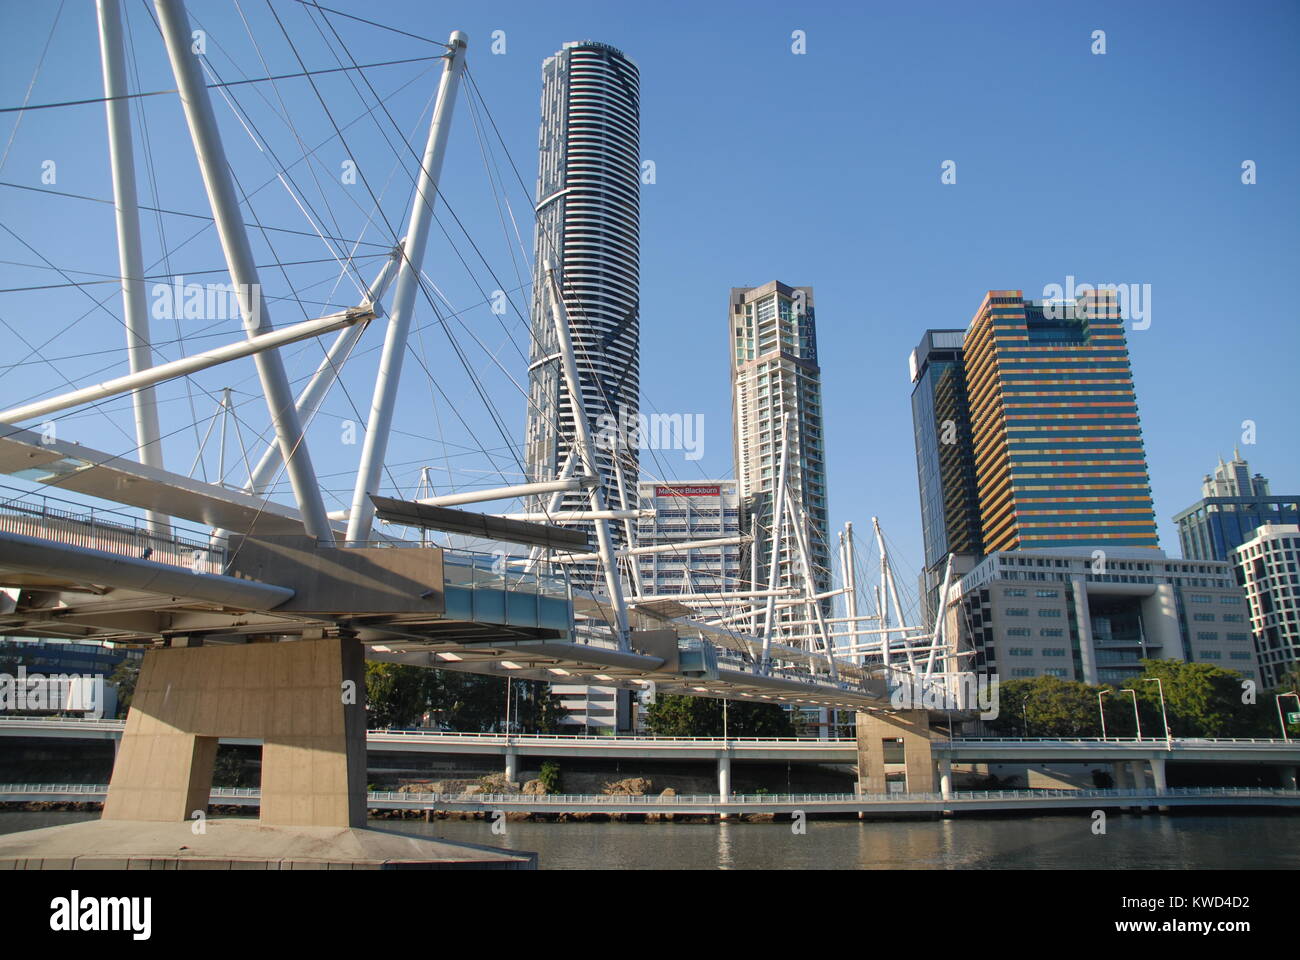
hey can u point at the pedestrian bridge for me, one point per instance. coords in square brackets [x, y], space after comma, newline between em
[714, 804]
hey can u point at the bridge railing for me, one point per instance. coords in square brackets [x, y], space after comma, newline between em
[1118, 740]
[597, 738]
[72, 790]
[811, 742]
[759, 799]
[38, 515]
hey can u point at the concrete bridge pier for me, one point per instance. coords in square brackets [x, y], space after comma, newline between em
[1288, 777]
[724, 779]
[1121, 781]
[1158, 776]
[912, 728]
[945, 780]
[512, 764]
[304, 700]
[1139, 781]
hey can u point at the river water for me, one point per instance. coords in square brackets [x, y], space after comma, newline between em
[1178, 842]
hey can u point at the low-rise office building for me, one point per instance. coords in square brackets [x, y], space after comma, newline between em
[1092, 616]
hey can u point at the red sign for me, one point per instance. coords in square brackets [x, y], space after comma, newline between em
[712, 491]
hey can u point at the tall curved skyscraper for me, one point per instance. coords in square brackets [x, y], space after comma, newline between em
[588, 228]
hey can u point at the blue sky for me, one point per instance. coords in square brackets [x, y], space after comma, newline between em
[822, 169]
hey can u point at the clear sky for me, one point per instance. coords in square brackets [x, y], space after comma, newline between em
[820, 168]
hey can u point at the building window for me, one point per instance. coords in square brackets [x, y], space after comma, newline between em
[1017, 612]
[1050, 614]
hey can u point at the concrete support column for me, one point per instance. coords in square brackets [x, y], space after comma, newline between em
[1158, 773]
[945, 776]
[1158, 776]
[1288, 776]
[512, 761]
[1083, 620]
[1139, 780]
[1121, 780]
[724, 779]
[304, 700]
[910, 726]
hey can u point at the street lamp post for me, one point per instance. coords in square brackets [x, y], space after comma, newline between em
[1280, 719]
[1137, 718]
[1024, 717]
[1102, 710]
[1169, 741]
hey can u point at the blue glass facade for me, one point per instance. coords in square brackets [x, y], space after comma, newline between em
[1233, 504]
[1212, 527]
[945, 464]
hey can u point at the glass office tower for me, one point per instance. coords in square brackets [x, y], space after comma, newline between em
[945, 460]
[1233, 504]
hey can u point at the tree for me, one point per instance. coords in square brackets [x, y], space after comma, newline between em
[1201, 700]
[124, 678]
[1047, 707]
[536, 708]
[680, 716]
[467, 702]
[397, 694]
[550, 777]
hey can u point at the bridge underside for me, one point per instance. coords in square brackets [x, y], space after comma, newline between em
[61, 591]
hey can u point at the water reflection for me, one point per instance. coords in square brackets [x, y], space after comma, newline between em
[1268, 841]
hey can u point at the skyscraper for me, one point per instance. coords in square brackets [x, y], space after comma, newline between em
[945, 459]
[773, 335]
[1059, 458]
[1232, 505]
[588, 229]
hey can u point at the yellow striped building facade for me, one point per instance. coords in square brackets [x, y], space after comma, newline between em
[1059, 458]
